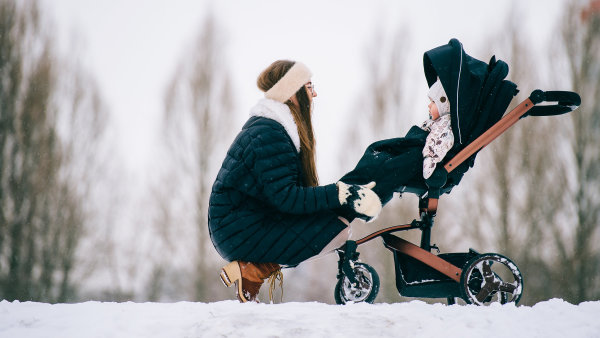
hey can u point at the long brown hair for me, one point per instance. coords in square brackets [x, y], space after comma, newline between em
[302, 117]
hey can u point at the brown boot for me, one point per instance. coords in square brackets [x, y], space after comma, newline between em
[248, 277]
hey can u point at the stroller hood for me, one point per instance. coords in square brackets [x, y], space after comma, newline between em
[462, 77]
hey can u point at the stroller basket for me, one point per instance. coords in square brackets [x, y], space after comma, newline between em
[416, 279]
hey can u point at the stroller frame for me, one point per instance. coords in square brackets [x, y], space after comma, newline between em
[419, 272]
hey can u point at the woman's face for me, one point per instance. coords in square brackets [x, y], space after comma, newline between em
[310, 90]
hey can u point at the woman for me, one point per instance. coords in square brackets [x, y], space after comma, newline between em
[266, 207]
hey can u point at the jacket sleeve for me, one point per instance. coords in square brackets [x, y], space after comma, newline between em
[273, 162]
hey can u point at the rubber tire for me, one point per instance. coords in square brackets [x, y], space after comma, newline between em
[498, 259]
[339, 296]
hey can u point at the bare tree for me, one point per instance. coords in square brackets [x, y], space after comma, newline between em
[492, 218]
[197, 120]
[503, 210]
[48, 125]
[578, 254]
[383, 105]
[380, 112]
[534, 197]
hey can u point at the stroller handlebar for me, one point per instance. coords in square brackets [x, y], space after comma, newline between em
[566, 102]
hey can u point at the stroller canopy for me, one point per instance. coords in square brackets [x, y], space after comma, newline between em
[478, 94]
[465, 79]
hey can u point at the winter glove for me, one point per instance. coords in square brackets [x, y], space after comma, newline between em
[360, 198]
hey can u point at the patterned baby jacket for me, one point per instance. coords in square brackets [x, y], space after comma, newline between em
[439, 141]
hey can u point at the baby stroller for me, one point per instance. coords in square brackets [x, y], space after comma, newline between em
[482, 96]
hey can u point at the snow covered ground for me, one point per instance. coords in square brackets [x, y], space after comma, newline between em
[554, 318]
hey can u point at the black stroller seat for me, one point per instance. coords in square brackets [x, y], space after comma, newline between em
[479, 95]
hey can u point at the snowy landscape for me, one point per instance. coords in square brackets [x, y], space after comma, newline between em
[135, 261]
[553, 318]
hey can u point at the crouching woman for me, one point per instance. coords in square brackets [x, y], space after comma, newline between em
[267, 208]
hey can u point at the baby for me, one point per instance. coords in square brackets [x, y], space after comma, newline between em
[440, 139]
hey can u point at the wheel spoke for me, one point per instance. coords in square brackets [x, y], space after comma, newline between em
[507, 287]
[485, 292]
[488, 275]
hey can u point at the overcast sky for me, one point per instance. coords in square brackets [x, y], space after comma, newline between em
[133, 46]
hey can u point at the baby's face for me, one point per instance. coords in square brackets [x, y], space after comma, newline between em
[433, 111]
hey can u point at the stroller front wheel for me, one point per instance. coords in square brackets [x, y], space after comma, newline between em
[364, 290]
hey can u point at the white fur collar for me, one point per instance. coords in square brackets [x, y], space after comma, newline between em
[280, 113]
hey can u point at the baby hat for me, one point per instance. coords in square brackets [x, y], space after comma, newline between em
[438, 95]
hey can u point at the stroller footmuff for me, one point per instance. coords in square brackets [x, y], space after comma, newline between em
[479, 95]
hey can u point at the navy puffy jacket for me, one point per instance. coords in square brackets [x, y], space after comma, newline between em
[258, 210]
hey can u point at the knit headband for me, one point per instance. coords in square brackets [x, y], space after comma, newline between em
[289, 84]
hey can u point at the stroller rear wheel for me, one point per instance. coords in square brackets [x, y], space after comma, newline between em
[364, 290]
[491, 278]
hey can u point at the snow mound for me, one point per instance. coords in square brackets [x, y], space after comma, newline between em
[553, 318]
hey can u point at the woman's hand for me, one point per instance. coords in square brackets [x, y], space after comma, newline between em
[361, 198]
